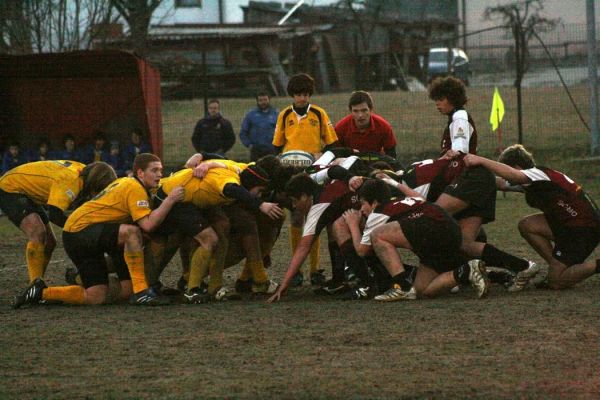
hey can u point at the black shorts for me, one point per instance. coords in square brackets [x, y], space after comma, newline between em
[17, 206]
[572, 245]
[477, 187]
[242, 221]
[86, 249]
[436, 242]
[183, 218]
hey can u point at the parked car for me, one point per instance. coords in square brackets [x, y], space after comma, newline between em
[438, 64]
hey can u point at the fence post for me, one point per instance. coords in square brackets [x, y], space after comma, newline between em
[592, 76]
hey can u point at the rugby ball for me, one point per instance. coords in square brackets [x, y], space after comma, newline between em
[297, 158]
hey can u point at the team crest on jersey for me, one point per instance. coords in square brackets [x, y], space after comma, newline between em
[143, 203]
[313, 122]
[70, 194]
[460, 133]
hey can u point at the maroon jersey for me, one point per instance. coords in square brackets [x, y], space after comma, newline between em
[430, 177]
[412, 208]
[335, 198]
[460, 133]
[560, 199]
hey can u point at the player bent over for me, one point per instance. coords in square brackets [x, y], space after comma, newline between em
[109, 223]
[569, 219]
[34, 194]
[428, 231]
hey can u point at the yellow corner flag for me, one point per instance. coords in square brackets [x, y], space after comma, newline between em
[497, 110]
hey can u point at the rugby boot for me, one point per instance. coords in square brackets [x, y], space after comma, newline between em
[32, 295]
[478, 278]
[523, 277]
[317, 278]
[359, 293]
[148, 297]
[396, 293]
[196, 296]
[266, 287]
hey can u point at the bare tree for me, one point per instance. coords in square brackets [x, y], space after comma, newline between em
[38, 26]
[138, 14]
[523, 19]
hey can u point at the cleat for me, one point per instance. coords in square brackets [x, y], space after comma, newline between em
[360, 293]
[541, 278]
[350, 276]
[225, 294]
[266, 287]
[501, 276]
[478, 278]
[523, 277]
[182, 284]
[32, 295]
[317, 278]
[297, 280]
[396, 293]
[455, 289]
[72, 276]
[196, 296]
[148, 297]
[243, 286]
[331, 287]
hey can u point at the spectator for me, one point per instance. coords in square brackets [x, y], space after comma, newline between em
[68, 152]
[42, 152]
[363, 130]
[13, 157]
[95, 151]
[135, 147]
[213, 133]
[113, 158]
[258, 127]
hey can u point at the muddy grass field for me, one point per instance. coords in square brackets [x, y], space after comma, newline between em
[533, 344]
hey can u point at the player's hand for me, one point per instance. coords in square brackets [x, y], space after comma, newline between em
[352, 217]
[193, 161]
[272, 210]
[201, 170]
[176, 194]
[275, 297]
[355, 183]
[450, 154]
[471, 160]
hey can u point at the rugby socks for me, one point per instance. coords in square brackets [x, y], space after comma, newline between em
[403, 279]
[35, 254]
[382, 276]
[494, 257]
[315, 255]
[215, 270]
[67, 294]
[199, 267]
[295, 236]
[135, 265]
[337, 262]
[259, 273]
[461, 274]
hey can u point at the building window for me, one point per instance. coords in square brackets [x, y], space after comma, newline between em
[188, 3]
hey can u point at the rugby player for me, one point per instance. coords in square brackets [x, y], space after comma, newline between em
[27, 191]
[110, 223]
[567, 230]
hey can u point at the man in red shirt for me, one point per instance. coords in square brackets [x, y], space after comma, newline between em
[363, 130]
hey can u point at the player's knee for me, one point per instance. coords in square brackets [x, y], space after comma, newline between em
[35, 229]
[208, 239]
[96, 294]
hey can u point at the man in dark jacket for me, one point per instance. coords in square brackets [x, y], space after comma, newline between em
[213, 133]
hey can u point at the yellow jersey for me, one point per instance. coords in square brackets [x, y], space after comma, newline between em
[55, 183]
[310, 132]
[205, 192]
[124, 201]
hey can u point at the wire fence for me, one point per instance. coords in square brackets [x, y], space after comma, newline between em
[551, 121]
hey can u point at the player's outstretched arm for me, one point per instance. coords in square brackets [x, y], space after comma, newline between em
[297, 259]
[152, 221]
[507, 172]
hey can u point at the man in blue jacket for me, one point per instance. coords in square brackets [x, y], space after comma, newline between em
[258, 127]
